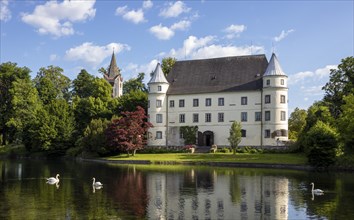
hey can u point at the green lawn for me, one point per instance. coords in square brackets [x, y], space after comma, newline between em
[299, 159]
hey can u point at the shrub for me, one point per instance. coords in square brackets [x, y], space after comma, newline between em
[321, 145]
[225, 150]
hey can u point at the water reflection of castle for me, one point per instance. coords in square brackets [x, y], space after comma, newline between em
[198, 195]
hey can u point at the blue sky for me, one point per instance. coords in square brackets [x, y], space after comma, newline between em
[309, 37]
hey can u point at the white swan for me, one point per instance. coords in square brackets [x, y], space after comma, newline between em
[52, 180]
[96, 184]
[316, 191]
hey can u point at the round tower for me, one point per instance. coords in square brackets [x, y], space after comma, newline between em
[274, 105]
[157, 107]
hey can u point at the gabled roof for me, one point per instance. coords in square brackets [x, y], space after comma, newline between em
[217, 75]
[113, 69]
[158, 76]
[274, 68]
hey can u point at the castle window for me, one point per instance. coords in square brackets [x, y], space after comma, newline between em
[268, 82]
[243, 116]
[172, 103]
[282, 98]
[195, 102]
[158, 118]
[267, 99]
[158, 103]
[284, 132]
[158, 134]
[148, 103]
[208, 102]
[220, 117]
[243, 100]
[221, 101]
[181, 103]
[258, 116]
[243, 133]
[282, 116]
[282, 82]
[159, 88]
[267, 115]
[207, 117]
[267, 133]
[195, 118]
[182, 118]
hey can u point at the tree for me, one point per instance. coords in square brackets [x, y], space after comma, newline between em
[25, 104]
[82, 85]
[189, 134]
[94, 139]
[9, 73]
[167, 64]
[129, 132]
[135, 84]
[346, 122]
[52, 84]
[297, 122]
[341, 83]
[322, 146]
[235, 135]
[129, 101]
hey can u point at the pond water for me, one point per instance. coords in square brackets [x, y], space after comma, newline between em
[169, 192]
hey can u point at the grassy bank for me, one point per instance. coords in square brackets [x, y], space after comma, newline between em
[296, 159]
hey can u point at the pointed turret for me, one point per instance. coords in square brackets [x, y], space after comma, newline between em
[114, 77]
[113, 69]
[274, 68]
[158, 76]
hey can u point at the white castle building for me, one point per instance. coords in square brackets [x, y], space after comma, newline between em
[213, 93]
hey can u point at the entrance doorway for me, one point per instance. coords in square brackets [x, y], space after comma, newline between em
[206, 138]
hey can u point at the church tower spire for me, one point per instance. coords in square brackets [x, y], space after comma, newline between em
[114, 77]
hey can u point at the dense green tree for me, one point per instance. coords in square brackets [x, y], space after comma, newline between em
[235, 135]
[9, 73]
[322, 146]
[129, 101]
[189, 134]
[346, 122]
[129, 132]
[318, 111]
[167, 64]
[25, 104]
[341, 83]
[52, 84]
[101, 89]
[297, 122]
[134, 84]
[94, 139]
[82, 85]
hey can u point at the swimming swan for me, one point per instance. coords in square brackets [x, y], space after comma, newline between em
[52, 180]
[96, 184]
[316, 191]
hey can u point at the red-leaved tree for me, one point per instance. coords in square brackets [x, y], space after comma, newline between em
[129, 132]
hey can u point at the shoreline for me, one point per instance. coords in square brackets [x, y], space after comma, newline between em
[218, 164]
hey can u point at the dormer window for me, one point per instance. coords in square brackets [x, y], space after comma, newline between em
[159, 88]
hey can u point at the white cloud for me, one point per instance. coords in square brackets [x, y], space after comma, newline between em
[234, 30]
[5, 13]
[201, 48]
[311, 75]
[182, 25]
[162, 32]
[174, 9]
[53, 57]
[283, 34]
[133, 69]
[135, 16]
[166, 33]
[94, 55]
[147, 4]
[57, 18]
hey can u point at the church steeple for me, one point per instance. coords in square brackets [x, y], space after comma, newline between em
[113, 69]
[114, 77]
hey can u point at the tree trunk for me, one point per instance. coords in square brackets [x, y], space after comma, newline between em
[134, 152]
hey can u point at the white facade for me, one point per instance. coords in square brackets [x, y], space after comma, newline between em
[262, 112]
